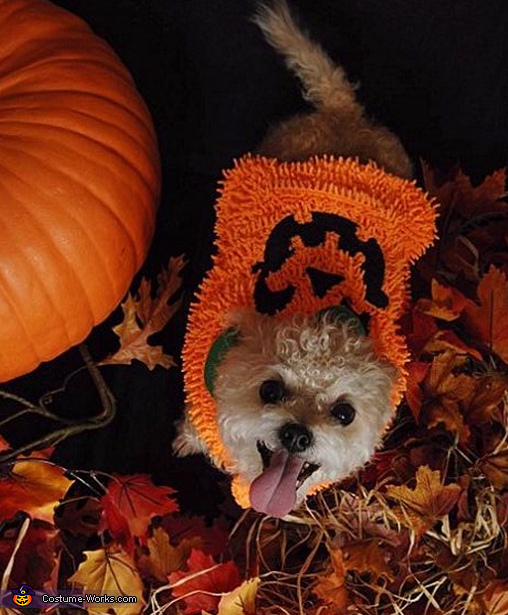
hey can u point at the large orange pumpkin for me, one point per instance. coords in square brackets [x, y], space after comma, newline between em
[79, 182]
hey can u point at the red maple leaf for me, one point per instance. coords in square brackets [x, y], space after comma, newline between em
[205, 578]
[131, 502]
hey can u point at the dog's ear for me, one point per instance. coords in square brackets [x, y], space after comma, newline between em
[187, 441]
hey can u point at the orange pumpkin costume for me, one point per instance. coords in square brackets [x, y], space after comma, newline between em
[300, 237]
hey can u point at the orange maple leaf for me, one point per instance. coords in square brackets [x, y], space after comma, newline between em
[33, 486]
[144, 316]
[331, 587]
[460, 197]
[367, 556]
[428, 502]
[485, 405]
[470, 226]
[110, 571]
[495, 599]
[130, 503]
[445, 393]
[495, 466]
[447, 303]
[487, 321]
[444, 339]
[203, 579]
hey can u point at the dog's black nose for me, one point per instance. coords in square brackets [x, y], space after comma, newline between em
[295, 438]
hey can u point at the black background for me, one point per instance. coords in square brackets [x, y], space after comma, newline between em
[435, 71]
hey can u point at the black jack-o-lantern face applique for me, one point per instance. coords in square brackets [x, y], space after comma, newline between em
[306, 258]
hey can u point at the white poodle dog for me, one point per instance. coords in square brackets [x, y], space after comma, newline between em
[304, 401]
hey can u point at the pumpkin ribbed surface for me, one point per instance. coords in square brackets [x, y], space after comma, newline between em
[79, 182]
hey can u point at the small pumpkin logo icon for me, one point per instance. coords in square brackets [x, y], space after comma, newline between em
[23, 595]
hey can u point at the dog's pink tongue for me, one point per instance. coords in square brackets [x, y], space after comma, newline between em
[274, 491]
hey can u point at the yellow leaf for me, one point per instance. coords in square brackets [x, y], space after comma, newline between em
[242, 600]
[111, 572]
[33, 486]
[144, 316]
[163, 557]
[428, 502]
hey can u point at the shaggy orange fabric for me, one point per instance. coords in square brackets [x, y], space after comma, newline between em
[256, 195]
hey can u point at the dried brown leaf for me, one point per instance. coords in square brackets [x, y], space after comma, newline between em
[428, 502]
[144, 316]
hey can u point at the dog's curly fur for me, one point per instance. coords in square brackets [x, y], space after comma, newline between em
[318, 361]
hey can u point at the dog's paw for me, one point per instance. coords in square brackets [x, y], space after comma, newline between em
[187, 441]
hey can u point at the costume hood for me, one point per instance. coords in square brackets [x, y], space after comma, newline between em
[301, 237]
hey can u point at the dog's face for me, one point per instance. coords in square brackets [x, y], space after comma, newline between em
[299, 403]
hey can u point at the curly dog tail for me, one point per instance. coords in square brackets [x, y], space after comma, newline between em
[325, 83]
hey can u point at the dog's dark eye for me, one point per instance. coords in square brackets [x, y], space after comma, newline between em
[344, 413]
[272, 392]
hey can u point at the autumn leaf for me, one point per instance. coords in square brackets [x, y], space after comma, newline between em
[34, 487]
[428, 502]
[242, 600]
[417, 371]
[116, 524]
[4, 445]
[444, 340]
[203, 579]
[110, 571]
[447, 303]
[485, 405]
[471, 224]
[79, 516]
[461, 197]
[422, 328]
[495, 466]
[367, 556]
[144, 316]
[37, 554]
[495, 599]
[134, 500]
[444, 392]
[331, 587]
[163, 558]
[488, 321]
[213, 538]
